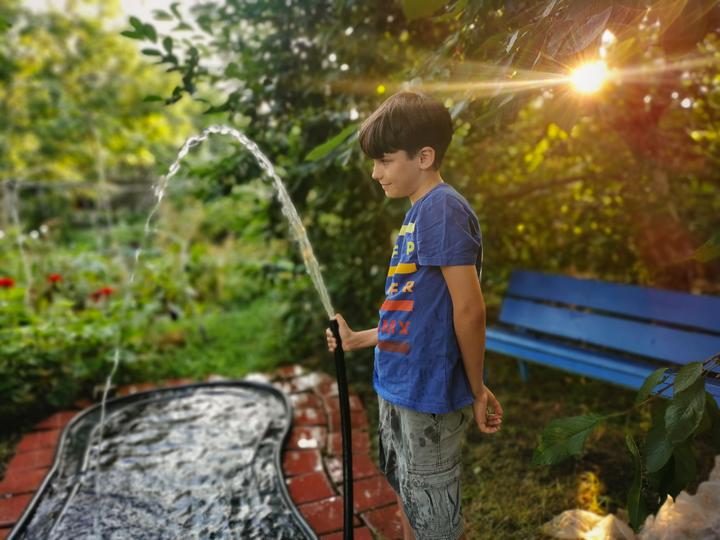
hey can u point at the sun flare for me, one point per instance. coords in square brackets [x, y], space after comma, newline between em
[589, 77]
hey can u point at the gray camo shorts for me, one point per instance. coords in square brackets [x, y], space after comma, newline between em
[420, 455]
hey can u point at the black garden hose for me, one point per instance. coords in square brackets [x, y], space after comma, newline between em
[346, 433]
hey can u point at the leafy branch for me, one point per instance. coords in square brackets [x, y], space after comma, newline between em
[667, 462]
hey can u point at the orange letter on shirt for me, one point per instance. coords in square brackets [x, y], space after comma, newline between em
[408, 287]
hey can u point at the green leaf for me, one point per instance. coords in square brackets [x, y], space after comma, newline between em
[151, 52]
[4, 25]
[161, 15]
[687, 376]
[685, 468]
[132, 35]
[325, 148]
[649, 385]
[658, 448]
[174, 9]
[217, 108]
[152, 98]
[136, 24]
[685, 412]
[183, 26]
[233, 70]
[635, 505]
[149, 31]
[564, 437]
[712, 406]
[168, 44]
[417, 9]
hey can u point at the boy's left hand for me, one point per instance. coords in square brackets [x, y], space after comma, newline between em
[488, 422]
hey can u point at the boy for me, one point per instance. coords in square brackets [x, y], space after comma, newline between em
[430, 340]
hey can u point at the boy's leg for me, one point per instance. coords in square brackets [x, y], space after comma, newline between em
[420, 457]
[429, 469]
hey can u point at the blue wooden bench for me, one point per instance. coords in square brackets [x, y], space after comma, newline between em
[613, 332]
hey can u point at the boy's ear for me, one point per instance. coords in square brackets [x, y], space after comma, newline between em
[427, 157]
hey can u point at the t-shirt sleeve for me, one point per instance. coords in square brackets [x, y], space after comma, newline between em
[447, 234]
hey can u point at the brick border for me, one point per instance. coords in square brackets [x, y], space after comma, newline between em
[311, 458]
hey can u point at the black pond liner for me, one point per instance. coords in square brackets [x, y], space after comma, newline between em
[195, 461]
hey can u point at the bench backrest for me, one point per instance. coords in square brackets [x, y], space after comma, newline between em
[666, 325]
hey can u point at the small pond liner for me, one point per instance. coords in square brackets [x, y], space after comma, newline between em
[195, 461]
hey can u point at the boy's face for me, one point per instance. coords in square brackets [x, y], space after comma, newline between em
[397, 173]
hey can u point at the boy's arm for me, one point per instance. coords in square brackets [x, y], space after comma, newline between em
[469, 320]
[363, 339]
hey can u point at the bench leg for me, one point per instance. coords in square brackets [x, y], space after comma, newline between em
[524, 370]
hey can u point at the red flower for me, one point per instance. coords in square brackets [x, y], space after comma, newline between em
[54, 278]
[105, 291]
[7, 282]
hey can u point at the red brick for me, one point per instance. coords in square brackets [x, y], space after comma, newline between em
[310, 381]
[306, 437]
[309, 487]
[360, 442]
[301, 462]
[325, 515]
[385, 521]
[4, 533]
[332, 403]
[359, 533]
[34, 459]
[329, 388]
[177, 382]
[312, 416]
[358, 419]
[362, 467]
[135, 388]
[305, 399]
[57, 420]
[83, 403]
[27, 481]
[288, 372]
[370, 493]
[12, 508]
[39, 439]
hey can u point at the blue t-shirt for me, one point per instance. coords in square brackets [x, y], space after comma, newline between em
[418, 363]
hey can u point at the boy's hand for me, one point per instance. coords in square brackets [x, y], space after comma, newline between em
[488, 422]
[345, 335]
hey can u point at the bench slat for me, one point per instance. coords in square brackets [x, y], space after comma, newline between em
[575, 360]
[654, 341]
[702, 312]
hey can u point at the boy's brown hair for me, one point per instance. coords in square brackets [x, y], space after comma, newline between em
[408, 121]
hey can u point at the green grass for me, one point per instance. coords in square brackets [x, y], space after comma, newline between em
[231, 343]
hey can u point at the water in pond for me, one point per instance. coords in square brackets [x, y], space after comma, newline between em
[190, 462]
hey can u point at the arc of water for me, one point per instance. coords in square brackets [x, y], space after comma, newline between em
[159, 189]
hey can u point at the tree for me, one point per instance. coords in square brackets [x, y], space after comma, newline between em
[71, 100]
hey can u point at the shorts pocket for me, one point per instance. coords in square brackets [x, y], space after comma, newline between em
[434, 480]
